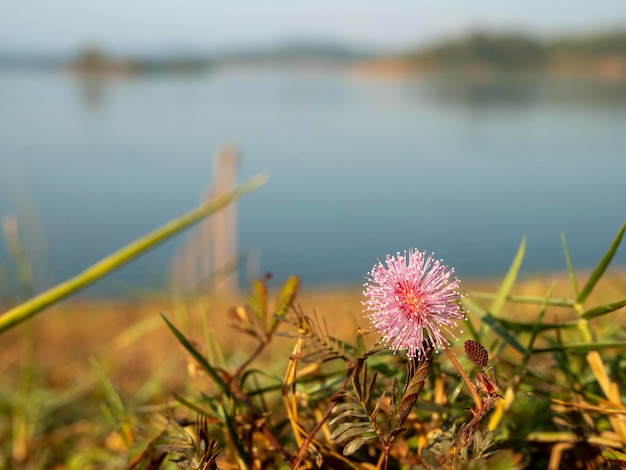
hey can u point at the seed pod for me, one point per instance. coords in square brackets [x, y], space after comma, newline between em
[476, 353]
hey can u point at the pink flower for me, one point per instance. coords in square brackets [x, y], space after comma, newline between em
[413, 303]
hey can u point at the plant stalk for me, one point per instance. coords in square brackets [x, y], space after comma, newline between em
[477, 401]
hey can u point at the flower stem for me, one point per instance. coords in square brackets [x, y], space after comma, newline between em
[477, 401]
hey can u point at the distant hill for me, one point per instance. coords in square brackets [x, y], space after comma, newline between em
[10, 58]
[94, 60]
[502, 51]
[599, 54]
[296, 50]
[478, 54]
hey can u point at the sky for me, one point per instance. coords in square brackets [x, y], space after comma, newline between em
[156, 25]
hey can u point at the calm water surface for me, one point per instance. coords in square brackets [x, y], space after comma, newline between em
[357, 168]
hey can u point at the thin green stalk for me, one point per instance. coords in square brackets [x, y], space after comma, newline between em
[117, 259]
[526, 299]
[570, 266]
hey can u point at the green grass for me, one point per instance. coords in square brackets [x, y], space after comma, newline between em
[290, 378]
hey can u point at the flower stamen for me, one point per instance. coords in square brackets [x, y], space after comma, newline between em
[413, 301]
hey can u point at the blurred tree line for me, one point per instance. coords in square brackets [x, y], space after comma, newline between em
[520, 51]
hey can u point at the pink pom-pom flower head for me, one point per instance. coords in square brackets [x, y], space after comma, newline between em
[413, 302]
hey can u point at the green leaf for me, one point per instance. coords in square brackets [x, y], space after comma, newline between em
[395, 396]
[287, 294]
[346, 431]
[356, 380]
[603, 309]
[370, 391]
[198, 357]
[615, 456]
[360, 344]
[257, 300]
[348, 405]
[356, 444]
[568, 263]
[508, 281]
[601, 267]
[352, 413]
[411, 391]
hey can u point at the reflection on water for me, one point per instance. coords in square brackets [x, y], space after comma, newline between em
[497, 90]
[357, 169]
[92, 92]
[527, 91]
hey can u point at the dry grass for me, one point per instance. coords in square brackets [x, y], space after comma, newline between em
[134, 347]
[64, 337]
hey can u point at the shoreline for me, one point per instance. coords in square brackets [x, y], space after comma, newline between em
[611, 68]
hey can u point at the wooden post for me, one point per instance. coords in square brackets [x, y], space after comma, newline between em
[205, 242]
[211, 248]
[226, 164]
[183, 267]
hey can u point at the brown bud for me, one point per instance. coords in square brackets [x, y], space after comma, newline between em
[487, 385]
[476, 353]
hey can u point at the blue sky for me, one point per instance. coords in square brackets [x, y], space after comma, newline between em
[127, 25]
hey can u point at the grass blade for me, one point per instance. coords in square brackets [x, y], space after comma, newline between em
[123, 256]
[198, 357]
[114, 406]
[527, 327]
[602, 265]
[494, 324]
[235, 437]
[536, 330]
[509, 280]
[603, 309]
[192, 406]
[525, 299]
[112, 397]
[599, 345]
[568, 263]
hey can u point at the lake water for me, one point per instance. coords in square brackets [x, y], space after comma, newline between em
[357, 168]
